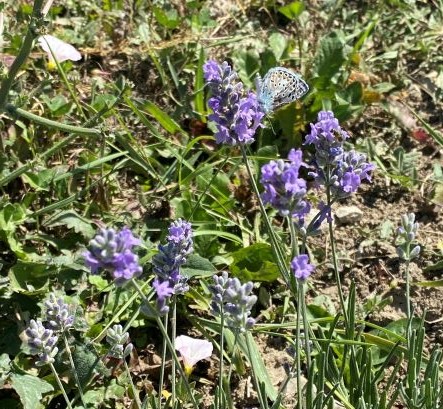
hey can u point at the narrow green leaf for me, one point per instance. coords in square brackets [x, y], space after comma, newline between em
[199, 101]
[163, 118]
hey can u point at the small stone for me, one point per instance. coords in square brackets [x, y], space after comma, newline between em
[348, 214]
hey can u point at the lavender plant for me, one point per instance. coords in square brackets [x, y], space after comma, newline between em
[112, 251]
[236, 113]
[283, 188]
[118, 340]
[58, 314]
[232, 301]
[42, 342]
[167, 263]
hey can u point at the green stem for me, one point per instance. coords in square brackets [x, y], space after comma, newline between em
[74, 371]
[134, 391]
[169, 344]
[173, 336]
[257, 385]
[297, 347]
[22, 55]
[221, 369]
[162, 369]
[334, 258]
[14, 111]
[68, 403]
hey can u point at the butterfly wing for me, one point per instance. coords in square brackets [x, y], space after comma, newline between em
[280, 86]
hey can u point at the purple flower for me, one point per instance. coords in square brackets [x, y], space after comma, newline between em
[58, 314]
[41, 342]
[169, 259]
[112, 251]
[233, 301]
[301, 267]
[341, 171]
[237, 116]
[283, 189]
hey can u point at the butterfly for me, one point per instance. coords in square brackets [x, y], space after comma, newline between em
[279, 86]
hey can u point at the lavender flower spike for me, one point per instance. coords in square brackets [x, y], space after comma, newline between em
[407, 231]
[169, 259]
[232, 299]
[283, 189]
[237, 114]
[58, 313]
[41, 342]
[117, 339]
[301, 267]
[112, 251]
[339, 170]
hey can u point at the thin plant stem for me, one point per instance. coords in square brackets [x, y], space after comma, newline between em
[74, 371]
[408, 303]
[134, 391]
[169, 344]
[162, 369]
[59, 383]
[173, 336]
[334, 259]
[221, 368]
[22, 55]
[257, 386]
[306, 327]
[297, 348]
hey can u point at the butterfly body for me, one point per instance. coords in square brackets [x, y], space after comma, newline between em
[278, 87]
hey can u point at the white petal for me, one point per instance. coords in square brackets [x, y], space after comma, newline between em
[62, 51]
[192, 350]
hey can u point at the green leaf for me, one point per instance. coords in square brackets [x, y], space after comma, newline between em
[58, 105]
[199, 101]
[99, 282]
[278, 44]
[292, 10]
[433, 284]
[30, 389]
[72, 220]
[29, 277]
[163, 118]
[167, 18]
[330, 57]
[255, 263]
[40, 180]
[198, 266]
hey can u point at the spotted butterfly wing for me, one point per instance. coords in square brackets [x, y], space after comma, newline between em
[279, 86]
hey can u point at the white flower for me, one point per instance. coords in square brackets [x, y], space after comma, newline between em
[192, 350]
[61, 50]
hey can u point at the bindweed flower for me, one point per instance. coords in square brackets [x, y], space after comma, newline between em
[117, 339]
[301, 267]
[41, 342]
[283, 188]
[112, 251]
[407, 232]
[233, 301]
[237, 114]
[339, 170]
[57, 313]
[192, 350]
[60, 50]
[167, 263]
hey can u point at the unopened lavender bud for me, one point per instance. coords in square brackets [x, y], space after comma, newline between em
[58, 314]
[117, 338]
[41, 342]
[415, 252]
